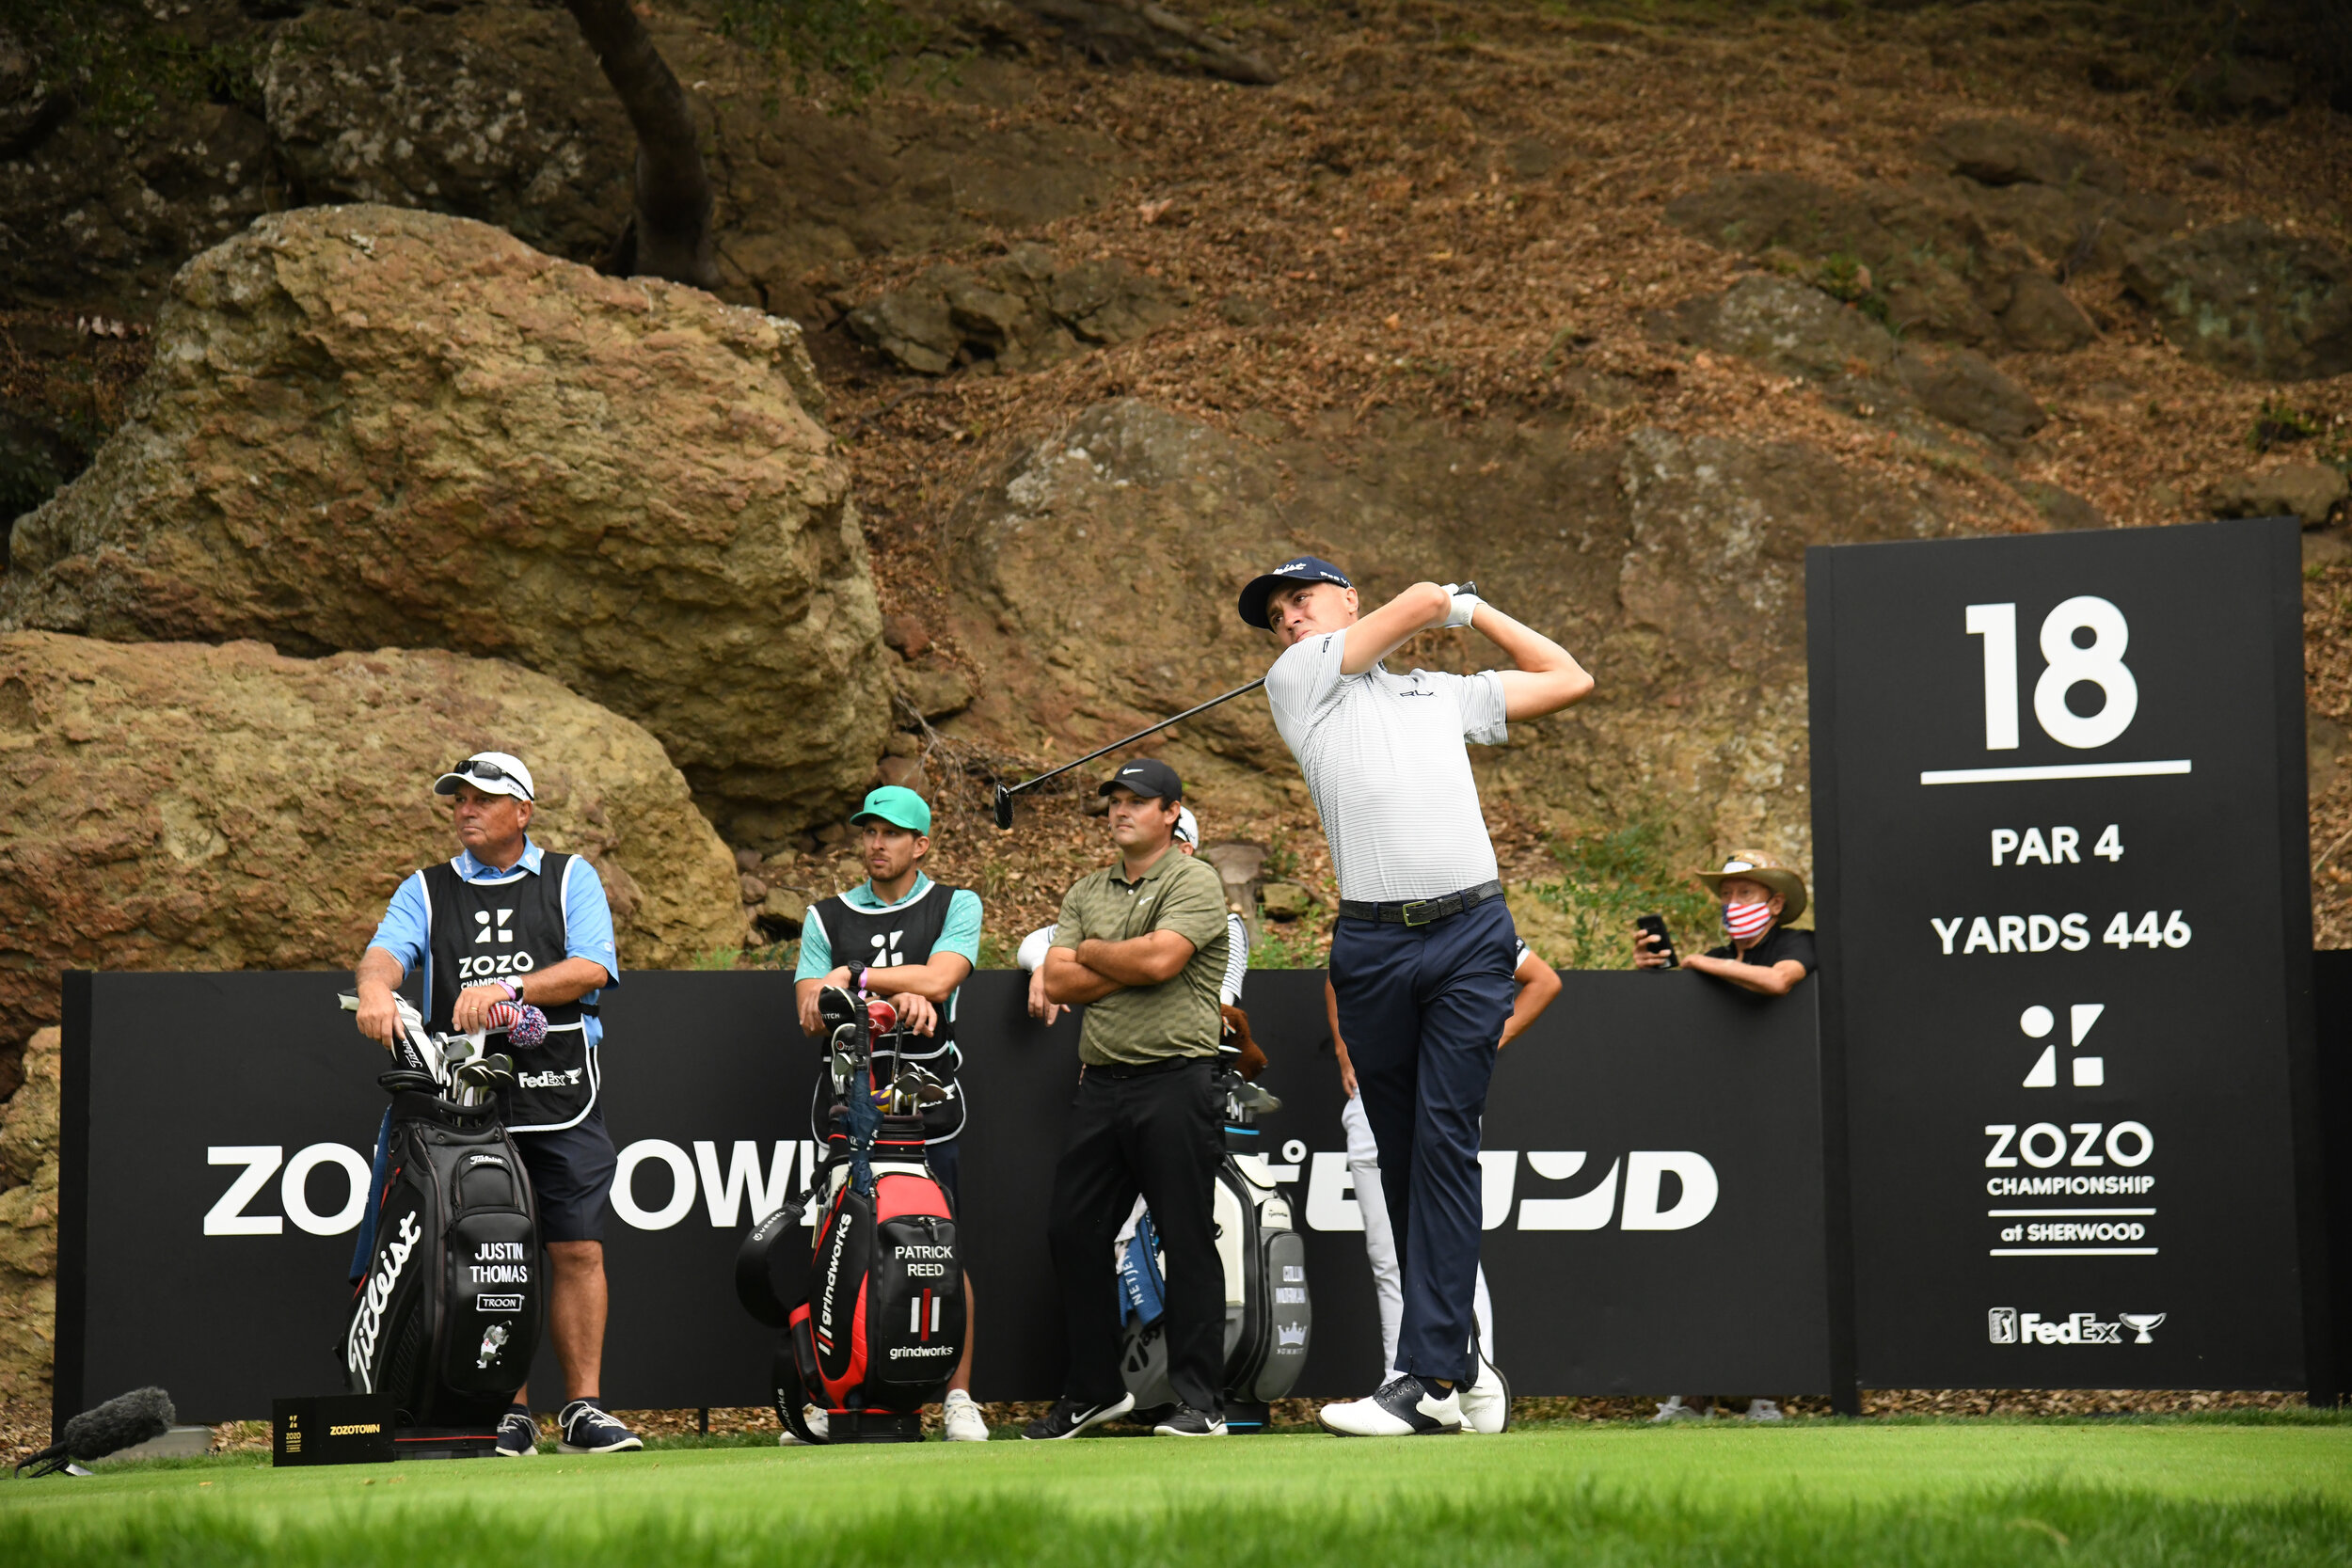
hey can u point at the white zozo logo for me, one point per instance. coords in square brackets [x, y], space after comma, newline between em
[2005, 1326]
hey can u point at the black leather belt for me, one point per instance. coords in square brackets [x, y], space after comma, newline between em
[1144, 1070]
[1420, 911]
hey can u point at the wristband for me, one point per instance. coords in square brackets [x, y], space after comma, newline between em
[514, 990]
[857, 978]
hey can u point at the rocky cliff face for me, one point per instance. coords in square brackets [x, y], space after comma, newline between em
[369, 427]
[170, 805]
[28, 1223]
[1102, 566]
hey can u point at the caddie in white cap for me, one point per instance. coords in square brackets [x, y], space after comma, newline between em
[504, 921]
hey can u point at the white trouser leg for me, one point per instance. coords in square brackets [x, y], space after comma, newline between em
[1483, 1305]
[1387, 1280]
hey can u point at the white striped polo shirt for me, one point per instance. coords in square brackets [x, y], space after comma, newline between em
[1385, 758]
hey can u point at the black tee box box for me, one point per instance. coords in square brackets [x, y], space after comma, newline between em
[331, 1429]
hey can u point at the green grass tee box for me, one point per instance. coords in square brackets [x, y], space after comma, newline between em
[1808, 1493]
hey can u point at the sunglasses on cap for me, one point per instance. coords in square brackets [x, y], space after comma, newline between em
[491, 772]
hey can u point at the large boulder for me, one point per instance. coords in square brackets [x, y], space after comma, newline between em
[1021, 310]
[495, 112]
[28, 1223]
[2251, 300]
[1971, 250]
[1098, 573]
[369, 427]
[172, 805]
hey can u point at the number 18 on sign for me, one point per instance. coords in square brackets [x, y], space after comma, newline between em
[2058, 808]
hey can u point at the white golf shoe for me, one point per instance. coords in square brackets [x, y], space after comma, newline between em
[1764, 1410]
[1403, 1407]
[1486, 1402]
[965, 1422]
[816, 1419]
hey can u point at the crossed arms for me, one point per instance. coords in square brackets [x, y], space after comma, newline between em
[1095, 968]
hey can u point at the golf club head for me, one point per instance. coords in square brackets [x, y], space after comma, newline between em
[1004, 807]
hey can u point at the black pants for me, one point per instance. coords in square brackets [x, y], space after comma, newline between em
[1157, 1134]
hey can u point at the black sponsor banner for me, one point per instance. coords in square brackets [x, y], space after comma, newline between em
[1652, 1178]
[2060, 818]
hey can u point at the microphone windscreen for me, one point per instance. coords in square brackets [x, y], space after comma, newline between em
[123, 1422]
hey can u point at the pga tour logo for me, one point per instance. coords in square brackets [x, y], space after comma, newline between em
[2005, 1326]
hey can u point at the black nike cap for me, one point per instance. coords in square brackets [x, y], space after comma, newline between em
[1148, 777]
[1299, 568]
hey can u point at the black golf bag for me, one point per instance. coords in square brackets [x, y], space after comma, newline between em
[1268, 1316]
[448, 1316]
[873, 1314]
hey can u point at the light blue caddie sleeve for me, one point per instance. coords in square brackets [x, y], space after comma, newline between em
[588, 920]
[816, 949]
[401, 931]
[961, 934]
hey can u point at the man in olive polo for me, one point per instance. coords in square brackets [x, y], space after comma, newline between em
[1142, 944]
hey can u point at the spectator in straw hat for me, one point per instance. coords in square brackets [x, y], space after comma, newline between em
[1760, 895]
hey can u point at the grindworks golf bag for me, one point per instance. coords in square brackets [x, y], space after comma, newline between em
[448, 1316]
[1268, 1317]
[874, 1319]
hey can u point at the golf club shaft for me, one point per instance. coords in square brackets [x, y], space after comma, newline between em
[1127, 740]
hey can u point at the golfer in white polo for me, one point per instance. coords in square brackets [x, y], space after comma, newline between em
[1423, 953]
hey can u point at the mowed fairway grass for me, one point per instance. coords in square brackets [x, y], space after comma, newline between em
[2153, 1492]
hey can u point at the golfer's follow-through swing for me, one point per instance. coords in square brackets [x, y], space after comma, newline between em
[1424, 949]
[1005, 793]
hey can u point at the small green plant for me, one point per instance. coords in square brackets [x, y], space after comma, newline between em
[851, 43]
[2279, 422]
[1302, 948]
[1282, 861]
[1848, 278]
[1612, 877]
[995, 953]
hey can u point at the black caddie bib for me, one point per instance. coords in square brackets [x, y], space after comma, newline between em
[502, 929]
[883, 939]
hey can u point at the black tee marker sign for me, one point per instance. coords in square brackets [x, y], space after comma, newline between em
[2060, 818]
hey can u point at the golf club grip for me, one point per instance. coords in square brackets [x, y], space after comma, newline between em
[1125, 741]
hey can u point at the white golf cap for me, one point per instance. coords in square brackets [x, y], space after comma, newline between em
[492, 772]
[1188, 827]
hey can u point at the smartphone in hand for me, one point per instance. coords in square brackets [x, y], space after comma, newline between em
[1664, 947]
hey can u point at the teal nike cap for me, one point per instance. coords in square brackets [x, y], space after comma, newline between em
[899, 806]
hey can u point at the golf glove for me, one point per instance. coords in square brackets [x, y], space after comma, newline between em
[1465, 606]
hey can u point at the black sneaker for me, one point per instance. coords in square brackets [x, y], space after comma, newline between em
[588, 1430]
[1185, 1421]
[518, 1434]
[1070, 1417]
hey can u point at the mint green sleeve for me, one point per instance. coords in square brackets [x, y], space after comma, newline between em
[816, 949]
[961, 935]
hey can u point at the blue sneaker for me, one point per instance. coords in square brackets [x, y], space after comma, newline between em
[518, 1434]
[588, 1430]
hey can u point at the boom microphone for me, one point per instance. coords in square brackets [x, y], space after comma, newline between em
[124, 1422]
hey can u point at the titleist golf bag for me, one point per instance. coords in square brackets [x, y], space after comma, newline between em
[874, 1319]
[448, 1316]
[1268, 1317]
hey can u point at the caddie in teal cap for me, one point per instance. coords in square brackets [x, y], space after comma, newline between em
[899, 806]
[902, 936]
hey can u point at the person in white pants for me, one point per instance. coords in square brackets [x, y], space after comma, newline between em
[1481, 1411]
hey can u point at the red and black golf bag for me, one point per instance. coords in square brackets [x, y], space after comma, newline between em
[873, 1312]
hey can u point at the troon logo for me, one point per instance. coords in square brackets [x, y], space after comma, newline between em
[360, 1350]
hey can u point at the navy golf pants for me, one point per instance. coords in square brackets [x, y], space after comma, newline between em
[1422, 1008]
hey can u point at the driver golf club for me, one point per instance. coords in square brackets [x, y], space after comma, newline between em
[1005, 795]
